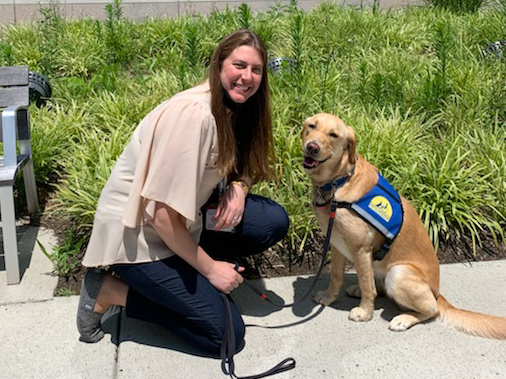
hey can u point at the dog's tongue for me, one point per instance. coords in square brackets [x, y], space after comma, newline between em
[310, 162]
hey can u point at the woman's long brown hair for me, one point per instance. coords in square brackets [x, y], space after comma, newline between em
[245, 139]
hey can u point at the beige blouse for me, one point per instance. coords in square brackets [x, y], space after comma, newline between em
[171, 159]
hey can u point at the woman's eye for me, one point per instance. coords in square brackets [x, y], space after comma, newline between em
[257, 70]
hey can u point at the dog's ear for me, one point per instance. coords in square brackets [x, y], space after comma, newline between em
[352, 146]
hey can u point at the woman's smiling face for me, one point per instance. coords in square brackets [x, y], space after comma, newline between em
[241, 73]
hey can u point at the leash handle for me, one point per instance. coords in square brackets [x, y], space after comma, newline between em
[228, 347]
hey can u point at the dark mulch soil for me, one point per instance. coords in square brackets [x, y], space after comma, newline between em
[282, 261]
[274, 264]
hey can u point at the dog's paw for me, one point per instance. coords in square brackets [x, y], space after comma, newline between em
[353, 291]
[401, 323]
[359, 314]
[325, 297]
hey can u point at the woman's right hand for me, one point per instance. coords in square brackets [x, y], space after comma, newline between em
[224, 277]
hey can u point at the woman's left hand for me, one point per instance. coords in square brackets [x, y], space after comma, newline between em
[231, 207]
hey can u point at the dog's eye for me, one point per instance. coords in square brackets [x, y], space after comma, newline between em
[333, 135]
[311, 126]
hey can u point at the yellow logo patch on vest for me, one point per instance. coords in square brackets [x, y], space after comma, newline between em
[382, 207]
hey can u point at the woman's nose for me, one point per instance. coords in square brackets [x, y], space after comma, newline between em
[246, 74]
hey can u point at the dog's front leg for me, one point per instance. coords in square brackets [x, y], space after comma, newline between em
[331, 294]
[365, 274]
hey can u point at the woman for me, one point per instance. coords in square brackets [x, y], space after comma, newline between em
[148, 228]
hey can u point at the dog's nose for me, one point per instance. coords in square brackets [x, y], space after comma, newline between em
[312, 148]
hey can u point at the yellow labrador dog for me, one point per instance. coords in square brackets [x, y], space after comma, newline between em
[409, 273]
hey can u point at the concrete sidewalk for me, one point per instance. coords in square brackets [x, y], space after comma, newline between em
[38, 337]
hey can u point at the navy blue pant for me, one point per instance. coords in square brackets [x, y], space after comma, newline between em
[174, 295]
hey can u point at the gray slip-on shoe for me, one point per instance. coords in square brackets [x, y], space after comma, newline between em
[88, 321]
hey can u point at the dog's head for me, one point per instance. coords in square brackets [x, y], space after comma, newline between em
[329, 147]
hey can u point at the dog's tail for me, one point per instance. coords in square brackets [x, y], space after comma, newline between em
[477, 324]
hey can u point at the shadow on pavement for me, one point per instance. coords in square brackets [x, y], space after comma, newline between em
[26, 236]
[124, 330]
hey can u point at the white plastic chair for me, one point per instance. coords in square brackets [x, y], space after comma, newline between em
[15, 130]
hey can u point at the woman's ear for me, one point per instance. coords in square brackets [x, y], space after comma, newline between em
[352, 145]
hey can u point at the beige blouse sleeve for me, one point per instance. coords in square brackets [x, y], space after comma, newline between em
[174, 151]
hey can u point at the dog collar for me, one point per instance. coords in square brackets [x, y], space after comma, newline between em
[323, 195]
[335, 183]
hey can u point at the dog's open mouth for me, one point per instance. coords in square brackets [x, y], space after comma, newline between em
[310, 163]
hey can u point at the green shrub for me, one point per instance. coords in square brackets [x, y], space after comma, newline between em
[428, 106]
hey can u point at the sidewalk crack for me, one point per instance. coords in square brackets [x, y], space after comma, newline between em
[118, 346]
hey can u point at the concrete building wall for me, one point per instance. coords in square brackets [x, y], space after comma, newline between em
[22, 11]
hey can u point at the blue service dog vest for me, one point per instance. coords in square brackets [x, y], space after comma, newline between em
[382, 208]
